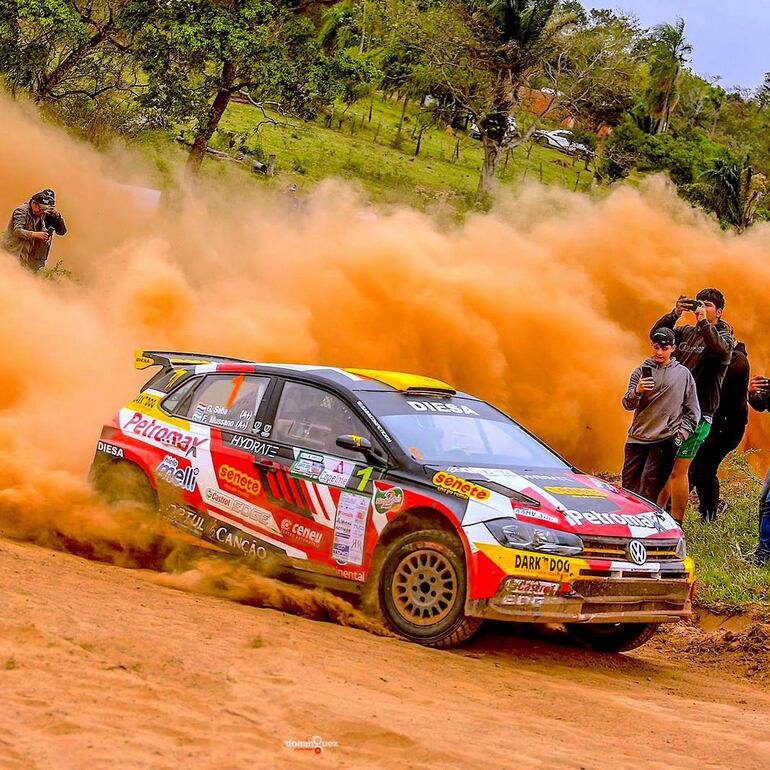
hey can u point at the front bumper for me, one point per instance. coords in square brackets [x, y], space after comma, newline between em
[575, 590]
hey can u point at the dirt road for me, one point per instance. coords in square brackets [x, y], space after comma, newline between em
[101, 668]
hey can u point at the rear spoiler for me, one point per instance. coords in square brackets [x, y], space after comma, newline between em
[144, 359]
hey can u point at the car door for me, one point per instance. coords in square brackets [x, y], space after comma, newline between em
[232, 509]
[323, 491]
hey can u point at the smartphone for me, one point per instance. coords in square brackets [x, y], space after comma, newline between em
[646, 371]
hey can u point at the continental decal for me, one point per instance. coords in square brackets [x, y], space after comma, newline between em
[576, 491]
[453, 485]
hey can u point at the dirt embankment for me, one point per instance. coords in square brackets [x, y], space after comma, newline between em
[100, 667]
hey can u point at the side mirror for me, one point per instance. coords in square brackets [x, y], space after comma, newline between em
[360, 444]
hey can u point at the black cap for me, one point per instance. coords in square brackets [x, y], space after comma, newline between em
[45, 198]
[663, 336]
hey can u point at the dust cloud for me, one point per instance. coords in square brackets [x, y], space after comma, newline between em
[542, 306]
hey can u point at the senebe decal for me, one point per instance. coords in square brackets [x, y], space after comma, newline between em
[456, 486]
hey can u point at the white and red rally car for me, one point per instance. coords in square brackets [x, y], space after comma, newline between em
[447, 510]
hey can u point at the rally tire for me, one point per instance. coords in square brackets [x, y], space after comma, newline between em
[612, 637]
[117, 482]
[422, 588]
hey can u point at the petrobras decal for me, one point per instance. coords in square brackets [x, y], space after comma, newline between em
[148, 428]
[238, 507]
[170, 472]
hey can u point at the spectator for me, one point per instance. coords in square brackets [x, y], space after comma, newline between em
[759, 398]
[705, 349]
[662, 394]
[726, 433]
[29, 232]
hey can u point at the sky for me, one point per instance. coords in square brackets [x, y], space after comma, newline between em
[730, 39]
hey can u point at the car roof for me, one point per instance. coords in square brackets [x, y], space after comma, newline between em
[355, 380]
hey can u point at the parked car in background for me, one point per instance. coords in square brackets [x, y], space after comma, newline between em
[562, 140]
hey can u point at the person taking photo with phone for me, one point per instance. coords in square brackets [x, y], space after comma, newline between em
[705, 348]
[662, 395]
[759, 398]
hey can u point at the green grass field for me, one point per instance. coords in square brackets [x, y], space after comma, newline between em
[369, 153]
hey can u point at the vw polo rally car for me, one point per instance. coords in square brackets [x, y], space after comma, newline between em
[431, 501]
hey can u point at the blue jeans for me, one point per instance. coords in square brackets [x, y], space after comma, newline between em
[763, 551]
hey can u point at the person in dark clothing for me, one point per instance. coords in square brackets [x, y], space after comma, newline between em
[705, 349]
[29, 232]
[662, 395]
[726, 433]
[759, 398]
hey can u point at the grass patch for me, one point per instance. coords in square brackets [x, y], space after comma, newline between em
[369, 152]
[256, 642]
[9, 664]
[725, 581]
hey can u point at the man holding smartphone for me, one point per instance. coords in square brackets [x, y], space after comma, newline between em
[759, 398]
[705, 348]
[662, 395]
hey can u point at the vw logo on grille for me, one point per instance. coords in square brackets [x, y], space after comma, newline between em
[636, 552]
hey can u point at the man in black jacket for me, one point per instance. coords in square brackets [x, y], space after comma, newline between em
[705, 349]
[759, 398]
[29, 232]
[726, 433]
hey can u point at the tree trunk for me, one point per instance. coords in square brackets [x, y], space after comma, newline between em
[492, 152]
[397, 140]
[218, 107]
[67, 64]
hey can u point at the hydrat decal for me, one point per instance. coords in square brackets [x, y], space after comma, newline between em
[452, 485]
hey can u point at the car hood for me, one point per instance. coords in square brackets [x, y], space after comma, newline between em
[568, 500]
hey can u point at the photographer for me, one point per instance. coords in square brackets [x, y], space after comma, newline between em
[705, 348]
[30, 230]
[726, 433]
[662, 395]
[759, 398]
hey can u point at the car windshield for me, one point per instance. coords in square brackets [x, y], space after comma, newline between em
[461, 430]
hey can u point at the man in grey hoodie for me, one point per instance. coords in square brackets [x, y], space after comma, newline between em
[663, 397]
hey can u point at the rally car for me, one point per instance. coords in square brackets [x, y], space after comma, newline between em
[397, 487]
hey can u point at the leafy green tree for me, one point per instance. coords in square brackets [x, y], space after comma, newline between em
[483, 52]
[58, 49]
[733, 190]
[669, 53]
[198, 53]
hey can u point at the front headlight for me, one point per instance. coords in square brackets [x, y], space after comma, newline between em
[681, 548]
[531, 537]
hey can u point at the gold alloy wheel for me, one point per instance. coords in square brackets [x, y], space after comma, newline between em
[424, 587]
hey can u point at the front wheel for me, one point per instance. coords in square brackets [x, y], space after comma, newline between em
[422, 589]
[612, 637]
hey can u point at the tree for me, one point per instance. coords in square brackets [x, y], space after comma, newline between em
[198, 53]
[483, 52]
[733, 190]
[57, 49]
[669, 51]
[763, 93]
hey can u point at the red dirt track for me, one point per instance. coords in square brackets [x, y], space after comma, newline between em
[101, 668]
